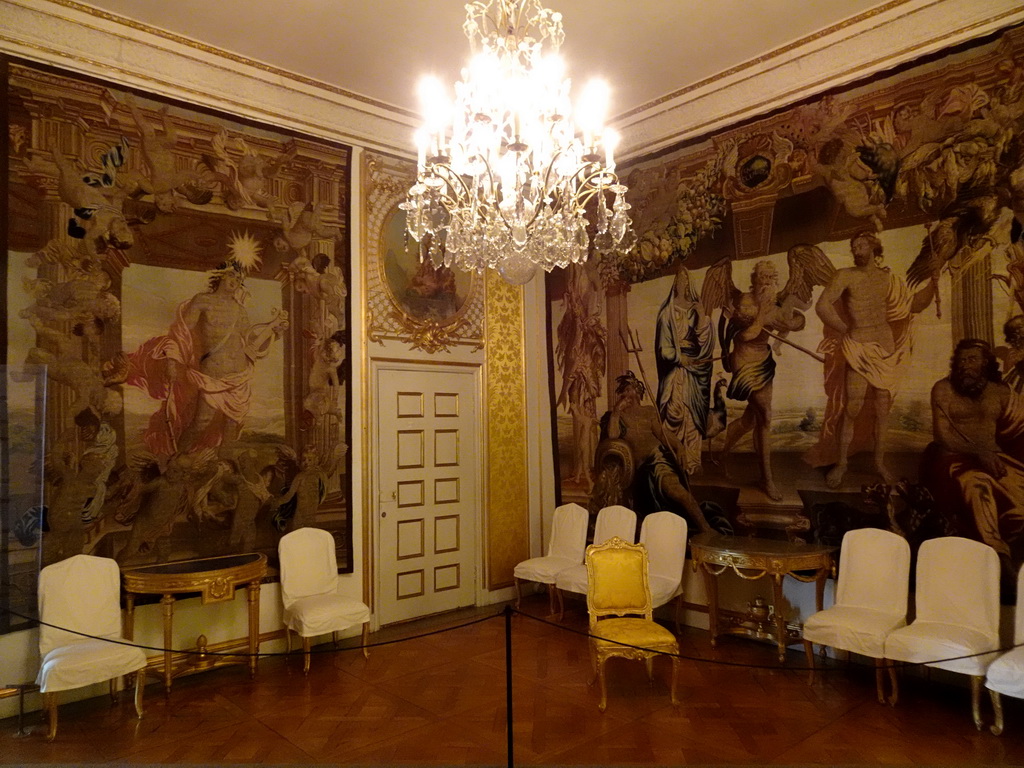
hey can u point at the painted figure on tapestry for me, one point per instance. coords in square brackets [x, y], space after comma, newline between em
[974, 459]
[684, 343]
[866, 310]
[165, 180]
[581, 351]
[751, 322]
[639, 462]
[1011, 354]
[202, 369]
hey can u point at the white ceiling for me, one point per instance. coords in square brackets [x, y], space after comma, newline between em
[646, 49]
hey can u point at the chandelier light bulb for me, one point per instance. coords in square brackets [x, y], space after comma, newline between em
[504, 180]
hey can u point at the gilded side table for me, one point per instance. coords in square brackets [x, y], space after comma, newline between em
[753, 558]
[215, 578]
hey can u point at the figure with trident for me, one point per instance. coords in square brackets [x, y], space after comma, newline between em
[639, 461]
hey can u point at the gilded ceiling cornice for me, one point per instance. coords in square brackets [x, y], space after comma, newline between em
[238, 59]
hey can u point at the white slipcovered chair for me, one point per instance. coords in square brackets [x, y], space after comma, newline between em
[1006, 674]
[82, 595]
[566, 546]
[870, 602]
[309, 589]
[615, 520]
[957, 621]
[664, 534]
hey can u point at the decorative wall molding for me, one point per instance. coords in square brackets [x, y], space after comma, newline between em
[892, 34]
[77, 37]
[69, 34]
[386, 180]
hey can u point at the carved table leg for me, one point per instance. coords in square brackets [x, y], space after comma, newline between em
[711, 587]
[253, 590]
[167, 606]
[780, 619]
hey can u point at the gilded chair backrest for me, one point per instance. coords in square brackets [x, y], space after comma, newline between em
[617, 580]
[309, 564]
[81, 593]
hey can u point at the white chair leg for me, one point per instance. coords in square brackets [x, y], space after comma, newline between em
[519, 596]
[895, 696]
[366, 639]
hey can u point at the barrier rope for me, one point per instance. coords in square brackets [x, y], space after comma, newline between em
[838, 664]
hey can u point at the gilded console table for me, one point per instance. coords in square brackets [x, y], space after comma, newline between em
[215, 578]
[752, 558]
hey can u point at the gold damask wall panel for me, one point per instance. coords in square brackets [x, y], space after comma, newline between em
[508, 525]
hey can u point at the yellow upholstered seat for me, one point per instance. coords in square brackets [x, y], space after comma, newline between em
[621, 615]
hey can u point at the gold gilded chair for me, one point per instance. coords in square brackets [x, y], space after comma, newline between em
[621, 615]
[309, 589]
[80, 638]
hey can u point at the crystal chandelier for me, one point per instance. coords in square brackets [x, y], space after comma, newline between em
[504, 180]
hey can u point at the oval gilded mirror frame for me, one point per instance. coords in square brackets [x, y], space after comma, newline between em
[406, 300]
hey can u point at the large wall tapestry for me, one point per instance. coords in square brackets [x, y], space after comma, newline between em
[183, 276]
[821, 326]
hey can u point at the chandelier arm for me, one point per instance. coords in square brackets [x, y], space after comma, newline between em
[447, 177]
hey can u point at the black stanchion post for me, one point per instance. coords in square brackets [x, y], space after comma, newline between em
[508, 681]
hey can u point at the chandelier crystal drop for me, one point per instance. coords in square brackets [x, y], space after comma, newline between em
[504, 177]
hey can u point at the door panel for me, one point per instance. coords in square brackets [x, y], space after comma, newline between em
[428, 479]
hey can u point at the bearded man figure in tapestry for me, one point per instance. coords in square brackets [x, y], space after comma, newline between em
[202, 369]
[979, 433]
[640, 462]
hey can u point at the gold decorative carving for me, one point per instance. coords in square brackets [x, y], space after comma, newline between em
[385, 183]
[752, 559]
[507, 482]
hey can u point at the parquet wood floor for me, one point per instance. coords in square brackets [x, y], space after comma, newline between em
[440, 700]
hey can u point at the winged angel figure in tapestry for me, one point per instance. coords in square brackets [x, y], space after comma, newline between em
[753, 326]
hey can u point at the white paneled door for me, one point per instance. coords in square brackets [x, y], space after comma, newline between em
[428, 483]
